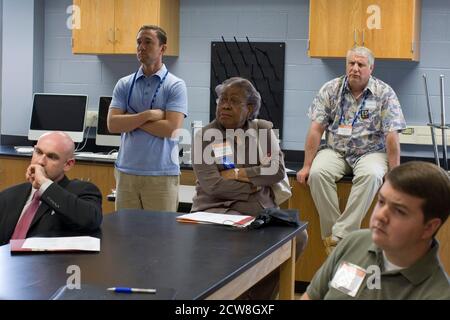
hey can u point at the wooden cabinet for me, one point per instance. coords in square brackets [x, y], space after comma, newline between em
[390, 28]
[12, 171]
[314, 255]
[111, 26]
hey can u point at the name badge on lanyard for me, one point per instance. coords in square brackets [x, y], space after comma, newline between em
[224, 153]
[348, 278]
[154, 95]
[222, 150]
[345, 130]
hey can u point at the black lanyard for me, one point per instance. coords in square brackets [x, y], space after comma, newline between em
[154, 95]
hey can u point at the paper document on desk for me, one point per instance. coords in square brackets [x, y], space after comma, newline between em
[233, 220]
[58, 244]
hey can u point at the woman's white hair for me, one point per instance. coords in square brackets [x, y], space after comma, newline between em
[252, 95]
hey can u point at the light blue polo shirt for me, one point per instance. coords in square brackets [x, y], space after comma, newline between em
[142, 153]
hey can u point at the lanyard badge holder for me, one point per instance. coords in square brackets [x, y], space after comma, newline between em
[346, 129]
[154, 95]
[348, 278]
[224, 152]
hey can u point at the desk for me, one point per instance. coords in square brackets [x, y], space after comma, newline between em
[13, 166]
[151, 249]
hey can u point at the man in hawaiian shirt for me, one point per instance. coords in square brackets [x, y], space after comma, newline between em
[362, 118]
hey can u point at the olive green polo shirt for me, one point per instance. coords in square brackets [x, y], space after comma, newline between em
[426, 279]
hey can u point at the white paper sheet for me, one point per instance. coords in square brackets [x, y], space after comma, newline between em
[63, 243]
[217, 218]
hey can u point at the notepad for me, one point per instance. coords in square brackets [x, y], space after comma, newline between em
[57, 244]
[233, 220]
[24, 149]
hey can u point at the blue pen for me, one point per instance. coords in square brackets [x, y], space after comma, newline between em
[131, 290]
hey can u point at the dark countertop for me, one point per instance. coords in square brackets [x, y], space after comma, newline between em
[150, 250]
[8, 150]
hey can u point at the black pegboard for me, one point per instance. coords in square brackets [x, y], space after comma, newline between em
[260, 62]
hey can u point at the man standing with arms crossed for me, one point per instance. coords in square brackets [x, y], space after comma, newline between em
[147, 108]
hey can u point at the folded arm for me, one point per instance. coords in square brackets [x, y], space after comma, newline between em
[166, 127]
[270, 168]
[119, 121]
[80, 206]
[222, 187]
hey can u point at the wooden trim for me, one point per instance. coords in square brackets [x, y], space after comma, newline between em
[287, 275]
[246, 280]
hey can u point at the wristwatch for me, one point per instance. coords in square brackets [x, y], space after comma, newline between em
[236, 173]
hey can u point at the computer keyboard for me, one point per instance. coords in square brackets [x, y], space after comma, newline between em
[91, 155]
[24, 149]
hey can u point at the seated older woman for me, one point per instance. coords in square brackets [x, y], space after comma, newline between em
[236, 159]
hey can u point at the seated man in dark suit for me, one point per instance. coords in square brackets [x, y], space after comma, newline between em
[50, 204]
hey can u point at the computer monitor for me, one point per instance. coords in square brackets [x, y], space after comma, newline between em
[58, 112]
[103, 136]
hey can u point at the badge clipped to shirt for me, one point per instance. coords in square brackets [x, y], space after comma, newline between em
[348, 278]
[345, 130]
[371, 104]
[222, 150]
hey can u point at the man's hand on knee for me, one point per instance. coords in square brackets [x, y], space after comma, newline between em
[303, 174]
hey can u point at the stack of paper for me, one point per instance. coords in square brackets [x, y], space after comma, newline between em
[233, 220]
[56, 244]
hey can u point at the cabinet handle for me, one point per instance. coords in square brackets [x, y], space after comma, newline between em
[111, 35]
[363, 37]
[355, 38]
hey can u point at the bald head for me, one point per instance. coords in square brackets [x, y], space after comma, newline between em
[61, 141]
[54, 153]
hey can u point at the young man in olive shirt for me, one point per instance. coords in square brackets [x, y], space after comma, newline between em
[398, 257]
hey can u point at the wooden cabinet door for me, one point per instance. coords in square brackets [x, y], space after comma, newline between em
[110, 26]
[129, 16]
[389, 28]
[96, 32]
[12, 171]
[334, 27]
[314, 255]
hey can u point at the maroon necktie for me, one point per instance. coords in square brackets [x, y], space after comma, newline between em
[25, 221]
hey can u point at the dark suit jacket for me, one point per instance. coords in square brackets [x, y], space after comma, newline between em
[69, 207]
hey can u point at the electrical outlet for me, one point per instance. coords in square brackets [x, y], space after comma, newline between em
[91, 118]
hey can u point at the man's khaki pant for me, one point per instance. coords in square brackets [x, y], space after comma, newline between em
[329, 167]
[158, 193]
